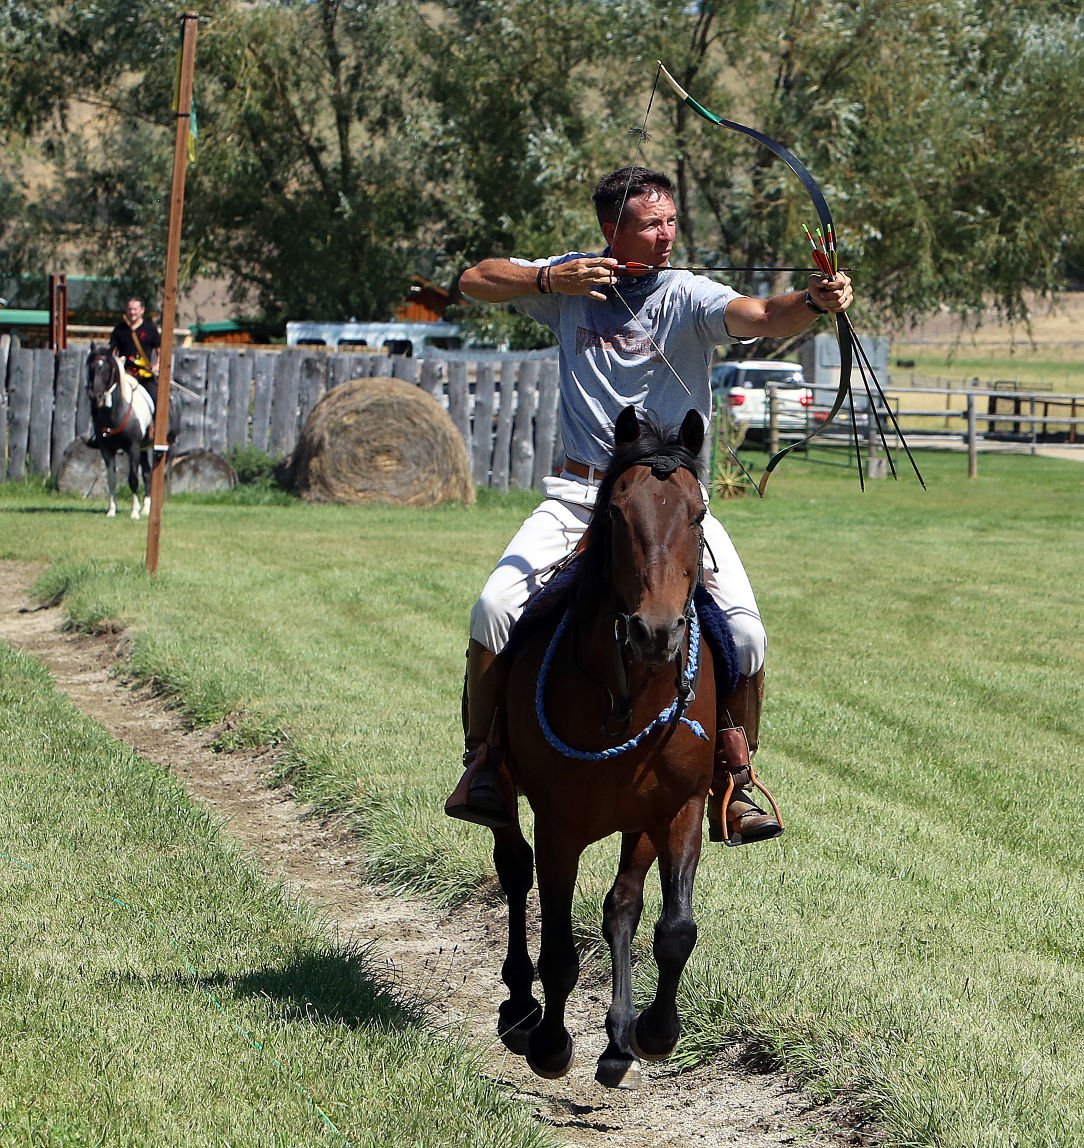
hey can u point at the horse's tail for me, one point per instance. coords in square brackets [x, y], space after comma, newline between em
[174, 417]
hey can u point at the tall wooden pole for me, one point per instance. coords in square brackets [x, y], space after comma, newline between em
[58, 311]
[169, 297]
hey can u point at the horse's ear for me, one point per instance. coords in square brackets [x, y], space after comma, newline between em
[692, 432]
[627, 427]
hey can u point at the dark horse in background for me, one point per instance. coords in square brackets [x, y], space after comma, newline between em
[610, 728]
[123, 415]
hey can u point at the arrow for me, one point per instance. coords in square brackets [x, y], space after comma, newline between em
[642, 268]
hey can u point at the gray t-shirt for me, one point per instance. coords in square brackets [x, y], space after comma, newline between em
[643, 351]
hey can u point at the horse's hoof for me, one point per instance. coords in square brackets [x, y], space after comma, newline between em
[613, 1072]
[646, 1049]
[552, 1069]
[515, 1033]
[515, 1039]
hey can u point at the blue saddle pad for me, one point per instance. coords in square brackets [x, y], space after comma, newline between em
[716, 629]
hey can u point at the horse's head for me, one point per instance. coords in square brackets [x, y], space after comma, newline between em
[103, 374]
[648, 533]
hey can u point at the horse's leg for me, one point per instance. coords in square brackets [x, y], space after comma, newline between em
[514, 862]
[549, 1046]
[145, 475]
[618, 1066]
[133, 478]
[109, 457]
[658, 1027]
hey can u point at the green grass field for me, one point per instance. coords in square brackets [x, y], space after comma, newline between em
[1039, 369]
[156, 991]
[912, 941]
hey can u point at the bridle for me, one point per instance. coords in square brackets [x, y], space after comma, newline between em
[621, 701]
[686, 661]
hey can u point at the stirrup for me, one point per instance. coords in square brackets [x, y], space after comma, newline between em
[724, 824]
[741, 773]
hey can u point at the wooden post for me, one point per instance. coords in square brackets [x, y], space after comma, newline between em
[169, 296]
[773, 422]
[972, 439]
[876, 465]
[58, 311]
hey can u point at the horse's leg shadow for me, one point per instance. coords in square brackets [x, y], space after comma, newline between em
[514, 861]
[557, 859]
[618, 1066]
[658, 1027]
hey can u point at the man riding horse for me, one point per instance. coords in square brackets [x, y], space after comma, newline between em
[643, 338]
[137, 342]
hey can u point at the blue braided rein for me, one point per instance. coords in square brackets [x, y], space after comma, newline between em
[666, 717]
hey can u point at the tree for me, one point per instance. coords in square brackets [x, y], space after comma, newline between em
[520, 135]
[955, 179]
[961, 170]
[346, 144]
[307, 195]
[86, 105]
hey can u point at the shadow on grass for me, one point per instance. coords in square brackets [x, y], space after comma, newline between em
[95, 508]
[335, 987]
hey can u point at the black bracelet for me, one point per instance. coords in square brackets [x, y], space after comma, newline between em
[541, 271]
[813, 306]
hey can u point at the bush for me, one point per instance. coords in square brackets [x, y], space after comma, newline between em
[253, 466]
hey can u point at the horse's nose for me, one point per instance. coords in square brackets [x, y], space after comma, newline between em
[655, 641]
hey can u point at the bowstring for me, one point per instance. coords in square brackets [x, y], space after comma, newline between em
[641, 137]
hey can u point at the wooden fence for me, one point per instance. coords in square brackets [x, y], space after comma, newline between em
[505, 407]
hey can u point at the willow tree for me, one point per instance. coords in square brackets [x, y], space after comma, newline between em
[305, 193]
[946, 135]
[346, 144]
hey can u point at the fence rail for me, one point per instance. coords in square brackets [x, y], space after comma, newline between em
[993, 413]
[504, 407]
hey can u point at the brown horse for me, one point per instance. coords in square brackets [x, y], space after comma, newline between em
[609, 728]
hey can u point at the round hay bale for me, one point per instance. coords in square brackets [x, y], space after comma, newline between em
[200, 471]
[381, 440]
[81, 471]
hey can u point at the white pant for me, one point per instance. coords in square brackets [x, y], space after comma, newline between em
[551, 533]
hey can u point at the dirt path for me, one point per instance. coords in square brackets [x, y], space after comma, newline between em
[450, 959]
